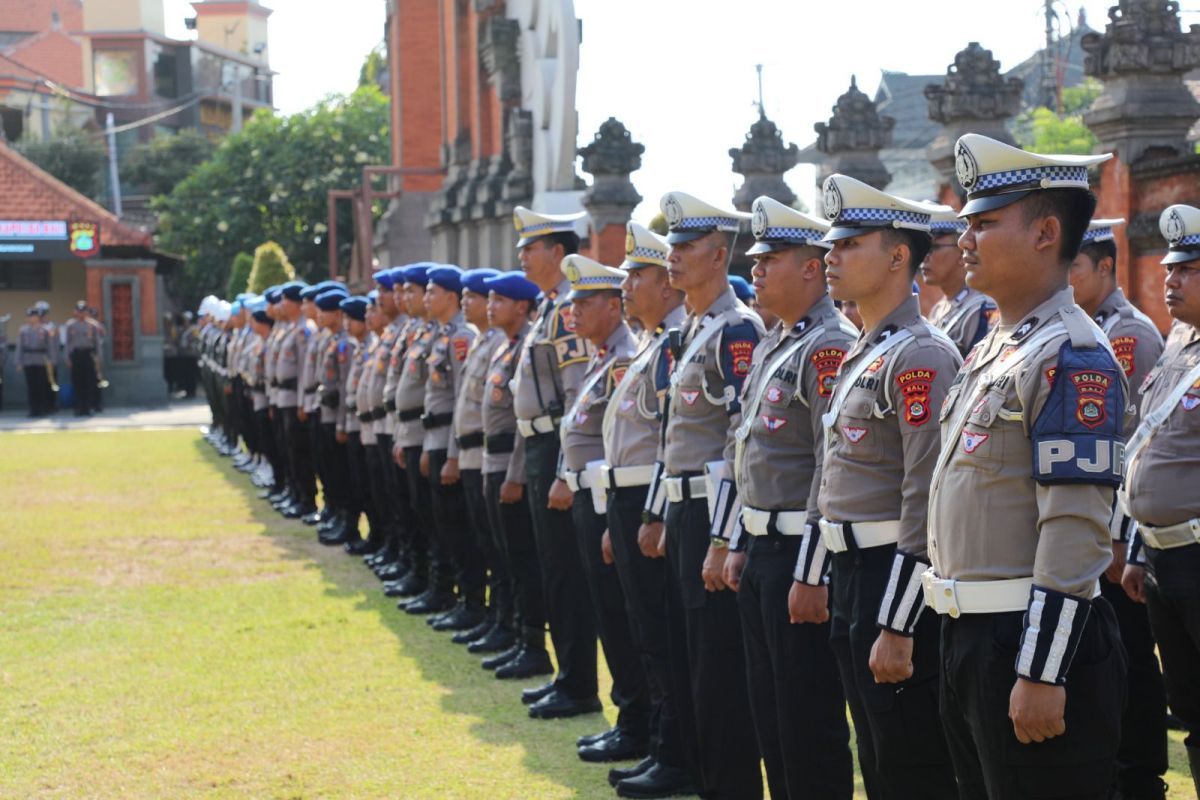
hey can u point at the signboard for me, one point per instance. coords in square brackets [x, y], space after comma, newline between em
[34, 240]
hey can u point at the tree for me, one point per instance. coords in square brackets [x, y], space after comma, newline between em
[1043, 131]
[74, 156]
[159, 165]
[271, 267]
[373, 67]
[270, 182]
[239, 274]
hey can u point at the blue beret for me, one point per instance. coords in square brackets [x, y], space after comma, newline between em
[513, 285]
[235, 307]
[311, 292]
[244, 296]
[743, 290]
[419, 273]
[273, 295]
[472, 279]
[256, 304]
[373, 296]
[330, 299]
[386, 277]
[292, 289]
[355, 307]
[446, 276]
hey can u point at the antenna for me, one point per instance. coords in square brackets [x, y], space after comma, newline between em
[762, 109]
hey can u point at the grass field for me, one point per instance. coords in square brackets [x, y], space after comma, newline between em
[164, 634]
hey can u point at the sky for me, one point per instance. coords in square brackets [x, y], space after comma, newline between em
[680, 74]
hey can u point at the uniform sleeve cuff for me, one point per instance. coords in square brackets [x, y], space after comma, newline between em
[1136, 555]
[726, 511]
[1053, 626]
[656, 494]
[903, 599]
[812, 565]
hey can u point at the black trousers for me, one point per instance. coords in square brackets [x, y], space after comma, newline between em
[358, 485]
[499, 581]
[249, 425]
[1173, 601]
[1142, 757]
[707, 664]
[430, 557]
[901, 750]
[795, 692]
[512, 528]
[336, 465]
[454, 529]
[630, 690]
[279, 429]
[189, 370]
[269, 445]
[382, 515]
[83, 380]
[979, 654]
[304, 480]
[312, 425]
[398, 540]
[643, 585]
[37, 390]
[564, 581]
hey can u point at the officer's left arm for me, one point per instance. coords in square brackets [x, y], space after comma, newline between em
[459, 346]
[1074, 424]
[917, 386]
[733, 357]
[572, 353]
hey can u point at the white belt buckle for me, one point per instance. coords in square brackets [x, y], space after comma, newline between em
[941, 594]
[525, 428]
[834, 536]
[606, 477]
[572, 479]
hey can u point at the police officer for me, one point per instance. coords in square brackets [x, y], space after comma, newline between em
[511, 298]
[261, 323]
[694, 491]
[439, 461]
[1033, 674]
[963, 313]
[881, 444]
[468, 435]
[331, 439]
[631, 432]
[309, 408]
[795, 693]
[1162, 465]
[426, 585]
[35, 355]
[81, 339]
[359, 338]
[279, 492]
[1142, 759]
[288, 361]
[550, 368]
[598, 317]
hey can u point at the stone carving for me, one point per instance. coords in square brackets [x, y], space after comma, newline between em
[973, 97]
[1145, 110]
[610, 157]
[763, 159]
[853, 137]
[498, 55]
[518, 144]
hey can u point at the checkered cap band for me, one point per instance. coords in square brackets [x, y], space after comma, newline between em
[1062, 176]
[944, 227]
[881, 215]
[1098, 235]
[706, 223]
[646, 254]
[597, 282]
[547, 228]
[791, 234]
[1189, 241]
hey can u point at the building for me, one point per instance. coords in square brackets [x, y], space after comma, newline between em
[57, 245]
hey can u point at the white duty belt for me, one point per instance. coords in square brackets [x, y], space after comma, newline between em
[531, 427]
[695, 488]
[1169, 537]
[625, 477]
[863, 535]
[757, 521]
[577, 479]
[955, 598]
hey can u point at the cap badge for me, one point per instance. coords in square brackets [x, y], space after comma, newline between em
[832, 200]
[965, 167]
[673, 210]
[1173, 229]
[630, 242]
[758, 224]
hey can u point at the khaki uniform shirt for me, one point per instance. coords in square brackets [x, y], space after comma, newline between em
[468, 408]
[1009, 501]
[410, 389]
[255, 349]
[367, 366]
[882, 446]
[334, 367]
[358, 352]
[705, 407]
[81, 334]
[779, 461]
[34, 346]
[310, 376]
[1161, 482]
[965, 318]
[633, 418]
[404, 327]
[446, 361]
[1136, 342]
[580, 432]
[552, 361]
[499, 419]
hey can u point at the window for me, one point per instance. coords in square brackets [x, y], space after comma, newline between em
[166, 83]
[25, 276]
[116, 72]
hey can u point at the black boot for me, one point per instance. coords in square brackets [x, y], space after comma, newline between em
[531, 696]
[658, 781]
[478, 632]
[466, 615]
[618, 774]
[531, 662]
[430, 602]
[502, 658]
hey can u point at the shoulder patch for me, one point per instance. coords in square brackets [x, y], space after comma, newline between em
[460, 349]
[740, 355]
[1078, 437]
[827, 361]
[1124, 347]
[736, 352]
[915, 386]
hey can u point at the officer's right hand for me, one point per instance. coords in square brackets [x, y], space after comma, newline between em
[1116, 567]
[1037, 711]
[342, 437]
[511, 492]
[398, 457]
[1133, 581]
[649, 536]
[424, 464]
[606, 553]
[808, 603]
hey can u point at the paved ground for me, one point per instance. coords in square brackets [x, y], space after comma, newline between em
[177, 414]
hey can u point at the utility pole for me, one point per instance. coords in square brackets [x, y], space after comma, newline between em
[237, 97]
[1049, 82]
[114, 179]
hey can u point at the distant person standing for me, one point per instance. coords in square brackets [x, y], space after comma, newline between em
[35, 347]
[81, 340]
[98, 357]
[3, 353]
[189, 355]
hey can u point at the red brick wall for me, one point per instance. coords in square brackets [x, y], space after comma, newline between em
[606, 246]
[416, 85]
